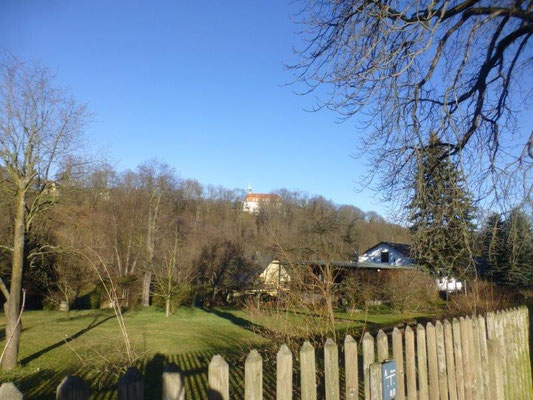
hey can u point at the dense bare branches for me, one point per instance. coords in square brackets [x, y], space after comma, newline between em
[407, 68]
[39, 127]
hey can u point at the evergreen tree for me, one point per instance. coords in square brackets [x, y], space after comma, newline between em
[441, 213]
[508, 247]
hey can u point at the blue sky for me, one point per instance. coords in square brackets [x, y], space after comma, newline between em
[198, 85]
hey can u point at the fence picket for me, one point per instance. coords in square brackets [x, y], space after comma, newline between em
[376, 392]
[131, 385]
[73, 388]
[173, 387]
[422, 362]
[525, 324]
[331, 370]
[441, 361]
[458, 353]
[480, 392]
[368, 359]
[503, 353]
[284, 374]
[383, 346]
[8, 391]
[467, 368]
[495, 369]
[450, 360]
[307, 372]
[433, 367]
[253, 376]
[410, 363]
[397, 355]
[218, 379]
[351, 368]
[484, 355]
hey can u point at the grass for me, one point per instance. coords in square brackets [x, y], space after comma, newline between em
[88, 344]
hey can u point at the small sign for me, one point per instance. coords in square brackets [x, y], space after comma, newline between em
[388, 379]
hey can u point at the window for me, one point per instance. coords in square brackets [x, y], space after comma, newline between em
[385, 256]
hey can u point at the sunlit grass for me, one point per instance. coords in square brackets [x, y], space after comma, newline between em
[89, 344]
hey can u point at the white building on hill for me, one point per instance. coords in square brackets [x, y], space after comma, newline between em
[254, 201]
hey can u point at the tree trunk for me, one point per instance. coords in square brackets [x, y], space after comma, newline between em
[13, 304]
[167, 307]
[147, 281]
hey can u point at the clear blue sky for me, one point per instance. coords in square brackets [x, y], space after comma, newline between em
[196, 84]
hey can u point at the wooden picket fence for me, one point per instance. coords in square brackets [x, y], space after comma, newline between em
[470, 358]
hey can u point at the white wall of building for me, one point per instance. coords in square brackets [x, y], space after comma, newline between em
[395, 257]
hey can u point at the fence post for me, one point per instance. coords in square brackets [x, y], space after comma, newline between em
[368, 359]
[458, 353]
[383, 346]
[433, 366]
[467, 368]
[450, 360]
[484, 355]
[253, 376]
[351, 368]
[410, 363]
[131, 385]
[173, 387]
[524, 322]
[495, 369]
[73, 388]
[478, 367]
[499, 319]
[218, 379]
[307, 372]
[376, 390]
[441, 361]
[397, 355]
[284, 374]
[8, 391]
[331, 370]
[422, 362]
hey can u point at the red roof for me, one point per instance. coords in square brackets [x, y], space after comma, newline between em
[262, 197]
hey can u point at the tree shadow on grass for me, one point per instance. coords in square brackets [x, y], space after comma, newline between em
[94, 323]
[241, 322]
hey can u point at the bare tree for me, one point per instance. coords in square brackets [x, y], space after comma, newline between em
[410, 68]
[156, 180]
[39, 127]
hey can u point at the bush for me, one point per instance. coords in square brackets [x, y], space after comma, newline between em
[184, 296]
[411, 291]
[480, 297]
[50, 304]
[95, 298]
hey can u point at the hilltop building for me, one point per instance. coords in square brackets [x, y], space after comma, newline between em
[253, 201]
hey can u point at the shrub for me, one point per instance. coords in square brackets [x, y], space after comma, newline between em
[411, 291]
[184, 296]
[95, 298]
[480, 297]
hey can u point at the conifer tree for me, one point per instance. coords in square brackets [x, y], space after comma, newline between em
[508, 247]
[441, 213]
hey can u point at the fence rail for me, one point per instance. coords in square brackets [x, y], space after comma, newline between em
[470, 358]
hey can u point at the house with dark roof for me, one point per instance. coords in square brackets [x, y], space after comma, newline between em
[387, 253]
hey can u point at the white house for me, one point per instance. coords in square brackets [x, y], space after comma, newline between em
[253, 201]
[387, 253]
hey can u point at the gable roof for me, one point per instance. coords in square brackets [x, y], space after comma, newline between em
[262, 196]
[402, 248]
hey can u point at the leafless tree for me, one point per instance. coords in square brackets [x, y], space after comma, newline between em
[460, 68]
[40, 125]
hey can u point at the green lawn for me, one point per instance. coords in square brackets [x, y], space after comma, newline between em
[89, 344]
